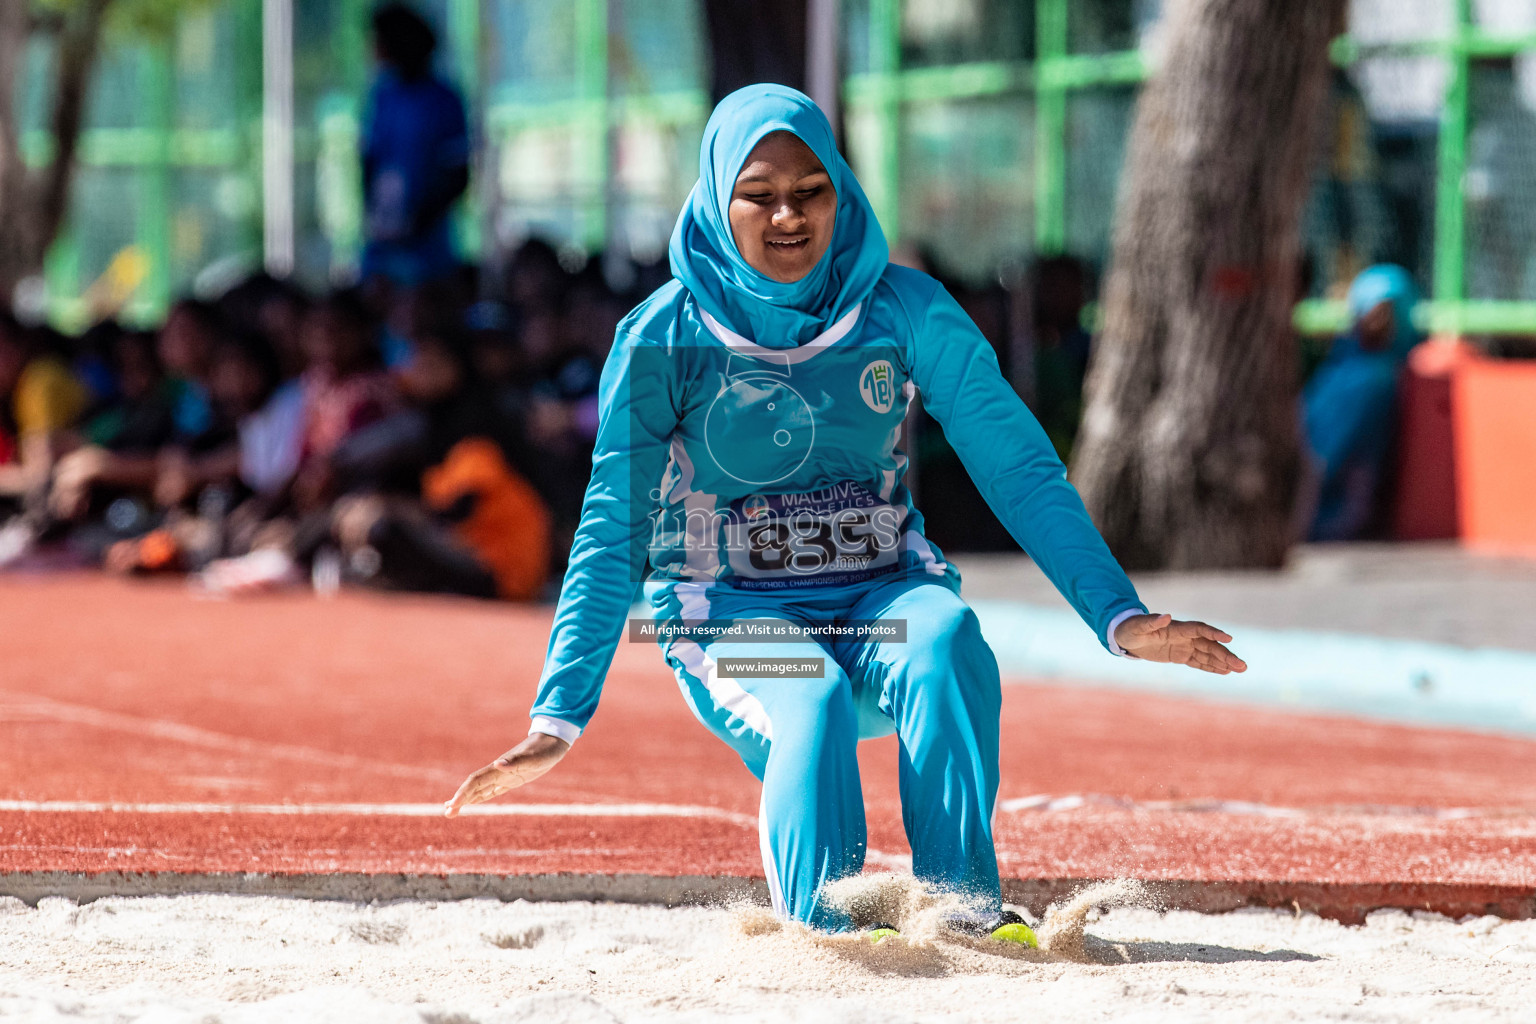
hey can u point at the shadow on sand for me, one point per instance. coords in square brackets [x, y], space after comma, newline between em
[1111, 952]
[965, 956]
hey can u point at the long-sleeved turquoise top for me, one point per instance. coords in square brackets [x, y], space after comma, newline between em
[720, 461]
[749, 428]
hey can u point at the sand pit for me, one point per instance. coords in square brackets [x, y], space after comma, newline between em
[244, 960]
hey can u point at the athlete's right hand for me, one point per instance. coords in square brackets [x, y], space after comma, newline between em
[517, 767]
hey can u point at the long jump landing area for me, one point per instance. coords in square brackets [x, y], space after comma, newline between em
[155, 742]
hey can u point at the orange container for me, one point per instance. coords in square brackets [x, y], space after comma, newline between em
[1424, 500]
[1494, 409]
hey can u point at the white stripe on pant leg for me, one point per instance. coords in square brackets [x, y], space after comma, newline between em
[729, 695]
[770, 869]
[693, 599]
[726, 693]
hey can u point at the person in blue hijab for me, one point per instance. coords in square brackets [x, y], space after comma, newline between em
[748, 454]
[1350, 404]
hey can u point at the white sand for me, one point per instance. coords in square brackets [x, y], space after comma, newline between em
[262, 960]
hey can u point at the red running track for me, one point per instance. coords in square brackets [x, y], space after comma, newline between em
[198, 718]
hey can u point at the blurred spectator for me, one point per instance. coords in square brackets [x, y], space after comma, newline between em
[567, 325]
[93, 362]
[535, 280]
[1349, 405]
[247, 389]
[345, 389]
[142, 418]
[261, 436]
[480, 531]
[453, 404]
[268, 411]
[40, 400]
[493, 344]
[276, 310]
[415, 154]
[192, 331]
[480, 521]
[495, 513]
[592, 314]
[409, 311]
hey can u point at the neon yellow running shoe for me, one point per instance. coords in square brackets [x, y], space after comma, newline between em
[1011, 928]
[881, 932]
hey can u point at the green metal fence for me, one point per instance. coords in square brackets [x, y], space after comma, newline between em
[593, 111]
[1078, 86]
[986, 132]
[166, 159]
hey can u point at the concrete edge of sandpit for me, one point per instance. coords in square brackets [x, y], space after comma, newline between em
[1348, 902]
[668, 890]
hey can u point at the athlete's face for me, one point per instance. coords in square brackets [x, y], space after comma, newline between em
[782, 208]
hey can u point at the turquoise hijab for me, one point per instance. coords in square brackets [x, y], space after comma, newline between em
[1387, 282]
[704, 255]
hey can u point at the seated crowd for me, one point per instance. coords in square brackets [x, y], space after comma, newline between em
[422, 439]
[411, 439]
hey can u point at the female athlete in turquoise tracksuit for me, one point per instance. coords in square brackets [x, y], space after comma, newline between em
[750, 413]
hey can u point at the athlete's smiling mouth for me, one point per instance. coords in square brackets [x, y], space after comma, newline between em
[789, 244]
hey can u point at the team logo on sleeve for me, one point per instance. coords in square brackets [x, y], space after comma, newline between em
[878, 385]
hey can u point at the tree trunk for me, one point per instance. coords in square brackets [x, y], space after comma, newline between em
[13, 173]
[1188, 453]
[34, 201]
[78, 45]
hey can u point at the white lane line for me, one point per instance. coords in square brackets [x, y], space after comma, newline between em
[1047, 803]
[888, 861]
[12, 704]
[389, 810]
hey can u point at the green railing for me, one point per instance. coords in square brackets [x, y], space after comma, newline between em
[153, 153]
[1055, 73]
[592, 108]
[154, 150]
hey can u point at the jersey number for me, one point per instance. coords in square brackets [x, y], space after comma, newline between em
[812, 546]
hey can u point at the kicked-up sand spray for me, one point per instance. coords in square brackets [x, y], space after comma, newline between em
[1062, 929]
[922, 914]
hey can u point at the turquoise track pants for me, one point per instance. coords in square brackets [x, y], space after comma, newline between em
[938, 692]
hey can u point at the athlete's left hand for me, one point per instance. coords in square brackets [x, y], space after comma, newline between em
[1164, 638]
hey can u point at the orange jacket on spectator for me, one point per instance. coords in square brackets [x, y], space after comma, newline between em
[508, 527]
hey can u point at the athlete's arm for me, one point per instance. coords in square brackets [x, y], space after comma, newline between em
[636, 418]
[1008, 455]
